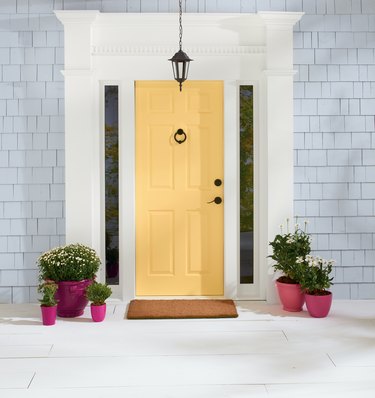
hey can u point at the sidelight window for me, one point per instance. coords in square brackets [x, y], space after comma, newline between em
[246, 185]
[111, 185]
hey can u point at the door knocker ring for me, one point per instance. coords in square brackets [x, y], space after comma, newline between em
[179, 133]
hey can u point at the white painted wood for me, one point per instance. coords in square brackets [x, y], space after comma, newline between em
[15, 379]
[127, 189]
[332, 390]
[278, 107]
[143, 392]
[129, 47]
[264, 349]
[77, 37]
[79, 158]
[25, 351]
[188, 370]
[146, 343]
[231, 202]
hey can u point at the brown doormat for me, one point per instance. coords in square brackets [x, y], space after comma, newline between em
[180, 309]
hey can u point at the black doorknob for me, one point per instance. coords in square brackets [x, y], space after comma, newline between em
[217, 200]
[218, 182]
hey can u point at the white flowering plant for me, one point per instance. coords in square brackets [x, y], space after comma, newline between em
[316, 276]
[287, 249]
[74, 262]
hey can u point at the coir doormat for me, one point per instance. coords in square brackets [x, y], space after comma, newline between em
[181, 309]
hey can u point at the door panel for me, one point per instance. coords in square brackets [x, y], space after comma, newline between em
[179, 236]
[161, 245]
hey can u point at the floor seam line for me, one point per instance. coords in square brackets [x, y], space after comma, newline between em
[331, 360]
[31, 380]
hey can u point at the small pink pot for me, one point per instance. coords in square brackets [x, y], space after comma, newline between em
[291, 296]
[318, 306]
[48, 315]
[98, 312]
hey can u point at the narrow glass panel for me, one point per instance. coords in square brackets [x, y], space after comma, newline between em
[111, 185]
[246, 185]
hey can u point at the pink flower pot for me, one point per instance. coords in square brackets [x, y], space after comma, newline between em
[98, 312]
[291, 296]
[71, 296]
[318, 306]
[48, 315]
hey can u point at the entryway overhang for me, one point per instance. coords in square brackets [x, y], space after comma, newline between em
[105, 48]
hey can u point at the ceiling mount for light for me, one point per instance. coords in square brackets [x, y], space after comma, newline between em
[180, 61]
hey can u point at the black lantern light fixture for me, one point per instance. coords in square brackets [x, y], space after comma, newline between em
[180, 61]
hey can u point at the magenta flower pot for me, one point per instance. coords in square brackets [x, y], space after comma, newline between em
[291, 296]
[318, 306]
[71, 296]
[48, 315]
[98, 312]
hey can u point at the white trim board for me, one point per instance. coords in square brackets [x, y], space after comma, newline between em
[235, 48]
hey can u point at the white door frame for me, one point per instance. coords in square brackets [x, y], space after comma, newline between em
[235, 48]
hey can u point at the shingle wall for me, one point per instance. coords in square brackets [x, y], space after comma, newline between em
[334, 130]
[334, 137]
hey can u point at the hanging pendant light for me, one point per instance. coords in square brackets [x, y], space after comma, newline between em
[180, 61]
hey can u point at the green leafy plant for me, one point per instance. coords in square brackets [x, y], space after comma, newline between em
[287, 249]
[315, 278]
[74, 262]
[48, 289]
[246, 158]
[98, 293]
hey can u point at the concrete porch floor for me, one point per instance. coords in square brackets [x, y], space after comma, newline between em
[265, 352]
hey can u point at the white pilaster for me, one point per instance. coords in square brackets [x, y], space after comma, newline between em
[278, 125]
[79, 127]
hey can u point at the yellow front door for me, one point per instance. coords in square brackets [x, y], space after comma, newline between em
[179, 235]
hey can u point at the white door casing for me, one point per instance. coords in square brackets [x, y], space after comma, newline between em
[105, 48]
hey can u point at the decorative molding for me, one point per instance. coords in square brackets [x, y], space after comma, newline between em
[279, 19]
[118, 50]
[76, 16]
[130, 20]
[157, 20]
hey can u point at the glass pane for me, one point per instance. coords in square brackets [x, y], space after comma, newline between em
[111, 185]
[246, 185]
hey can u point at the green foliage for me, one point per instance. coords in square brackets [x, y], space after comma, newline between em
[316, 277]
[287, 249]
[48, 289]
[246, 159]
[98, 293]
[111, 158]
[111, 171]
[73, 262]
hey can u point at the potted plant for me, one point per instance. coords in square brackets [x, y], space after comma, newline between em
[288, 249]
[48, 302]
[315, 280]
[73, 268]
[98, 293]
